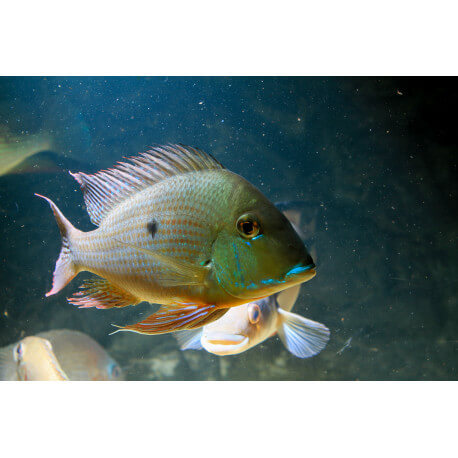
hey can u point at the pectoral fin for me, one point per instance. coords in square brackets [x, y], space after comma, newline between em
[302, 337]
[171, 318]
[184, 273]
[101, 294]
[189, 339]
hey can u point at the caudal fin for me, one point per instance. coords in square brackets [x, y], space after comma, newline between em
[65, 269]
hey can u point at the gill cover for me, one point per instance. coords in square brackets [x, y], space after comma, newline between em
[261, 266]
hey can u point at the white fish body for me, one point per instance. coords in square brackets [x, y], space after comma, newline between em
[247, 325]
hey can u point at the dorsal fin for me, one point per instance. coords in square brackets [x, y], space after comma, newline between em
[105, 189]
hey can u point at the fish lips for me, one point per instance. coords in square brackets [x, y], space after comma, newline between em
[298, 274]
[224, 344]
[301, 273]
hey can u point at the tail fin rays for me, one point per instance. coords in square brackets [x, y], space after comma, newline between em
[65, 269]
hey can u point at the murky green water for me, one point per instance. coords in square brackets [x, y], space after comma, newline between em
[373, 159]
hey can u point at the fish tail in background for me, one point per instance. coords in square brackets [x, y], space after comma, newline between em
[302, 337]
[65, 269]
[7, 364]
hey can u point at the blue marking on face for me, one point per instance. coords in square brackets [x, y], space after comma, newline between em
[271, 281]
[294, 271]
[258, 237]
[236, 254]
[299, 269]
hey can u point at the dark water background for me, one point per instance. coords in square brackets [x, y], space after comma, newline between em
[373, 158]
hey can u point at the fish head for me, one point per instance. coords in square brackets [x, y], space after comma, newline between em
[241, 328]
[257, 252]
[35, 359]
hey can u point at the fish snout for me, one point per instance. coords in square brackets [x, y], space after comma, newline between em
[224, 339]
[224, 344]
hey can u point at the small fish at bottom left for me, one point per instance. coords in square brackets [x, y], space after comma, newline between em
[58, 355]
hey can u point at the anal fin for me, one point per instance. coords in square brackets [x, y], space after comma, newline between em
[172, 318]
[101, 294]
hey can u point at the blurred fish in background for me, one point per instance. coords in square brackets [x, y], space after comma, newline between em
[70, 354]
[31, 359]
[57, 128]
[15, 149]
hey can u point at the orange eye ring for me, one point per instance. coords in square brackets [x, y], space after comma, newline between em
[254, 313]
[248, 226]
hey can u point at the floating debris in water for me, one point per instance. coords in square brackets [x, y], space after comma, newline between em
[346, 345]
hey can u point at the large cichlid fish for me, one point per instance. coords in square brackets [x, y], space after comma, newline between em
[178, 229]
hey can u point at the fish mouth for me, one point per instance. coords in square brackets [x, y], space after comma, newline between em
[298, 274]
[302, 273]
[224, 344]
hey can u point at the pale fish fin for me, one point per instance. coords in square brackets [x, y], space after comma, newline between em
[170, 319]
[105, 189]
[302, 337]
[189, 339]
[65, 269]
[101, 294]
[8, 367]
[287, 298]
[301, 215]
[185, 273]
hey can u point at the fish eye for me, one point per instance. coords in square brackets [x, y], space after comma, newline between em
[248, 226]
[254, 313]
[115, 371]
[18, 351]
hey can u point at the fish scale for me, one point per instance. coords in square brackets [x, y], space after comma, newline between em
[177, 229]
